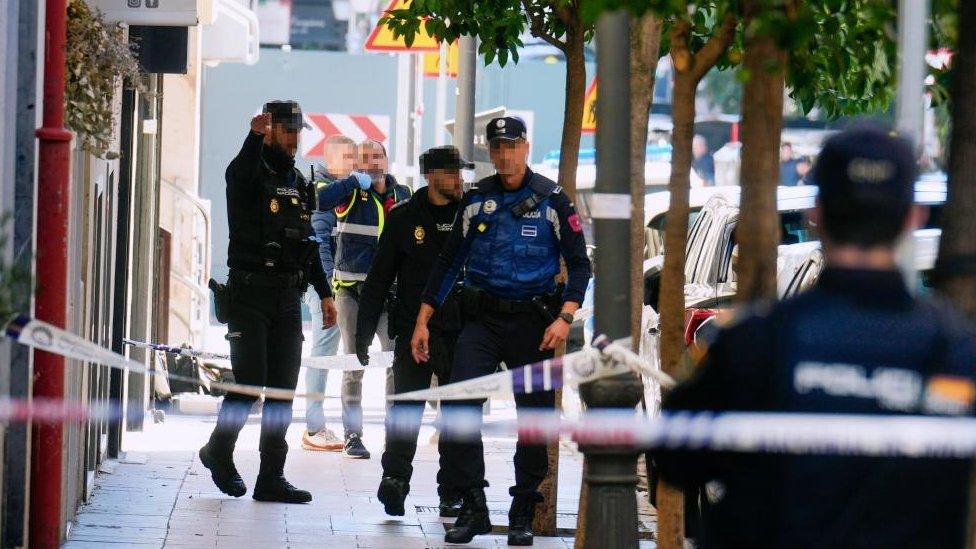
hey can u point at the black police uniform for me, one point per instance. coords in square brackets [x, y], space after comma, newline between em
[272, 260]
[858, 343]
[509, 244]
[415, 232]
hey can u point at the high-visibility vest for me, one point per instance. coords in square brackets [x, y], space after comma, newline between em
[358, 229]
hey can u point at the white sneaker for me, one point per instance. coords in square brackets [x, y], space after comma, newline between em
[322, 441]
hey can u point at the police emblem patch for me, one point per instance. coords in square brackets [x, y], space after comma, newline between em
[363, 195]
[419, 233]
[490, 206]
[500, 123]
[274, 206]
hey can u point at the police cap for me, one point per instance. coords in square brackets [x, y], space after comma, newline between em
[287, 113]
[869, 167]
[443, 158]
[507, 128]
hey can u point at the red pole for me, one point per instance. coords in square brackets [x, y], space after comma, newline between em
[52, 279]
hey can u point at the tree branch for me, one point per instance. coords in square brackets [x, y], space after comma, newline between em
[536, 26]
[681, 57]
[708, 55]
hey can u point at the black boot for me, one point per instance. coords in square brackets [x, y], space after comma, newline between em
[472, 520]
[392, 492]
[520, 517]
[271, 484]
[222, 471]
[450, 505]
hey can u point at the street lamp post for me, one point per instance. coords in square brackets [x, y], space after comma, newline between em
[611, 473]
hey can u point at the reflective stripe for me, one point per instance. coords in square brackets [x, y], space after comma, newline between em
[356, 228]
[469, 212]
[348, 207]
[381, 213]
[343, 277]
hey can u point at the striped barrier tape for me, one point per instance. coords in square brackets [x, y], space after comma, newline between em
[377, 359]
[45, 337]
[604, 359]
[773, 433]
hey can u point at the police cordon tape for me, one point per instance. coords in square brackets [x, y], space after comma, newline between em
[377, 359]
[774, 433]
[41, 335]
[604, 359]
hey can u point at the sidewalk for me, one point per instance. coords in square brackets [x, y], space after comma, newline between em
[160, 495]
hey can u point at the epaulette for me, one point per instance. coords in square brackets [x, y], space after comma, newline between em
[542, 185]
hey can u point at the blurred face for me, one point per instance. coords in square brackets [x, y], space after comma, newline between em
[803, 168]
[699, 147]
[373, 160]
[447, 183]
[509, 156]
[341, 158]
[785, 153]
[283, 138]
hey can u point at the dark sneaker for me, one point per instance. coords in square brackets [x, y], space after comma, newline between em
[354, 447]
[450, 505]
[392, 493]
[472, 520]
[520, 517]
[223, 473]
[279, 490]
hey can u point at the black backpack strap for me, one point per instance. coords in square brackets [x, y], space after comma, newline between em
[542, 189]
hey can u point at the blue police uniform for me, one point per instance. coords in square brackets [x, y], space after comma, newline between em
[856, 343]
[508, 244]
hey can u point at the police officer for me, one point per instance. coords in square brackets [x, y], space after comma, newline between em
[858, 342]
[361, 208]
[272, 259]
[415, 232]
[509, 235]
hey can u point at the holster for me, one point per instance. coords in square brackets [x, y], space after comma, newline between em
[221, 299]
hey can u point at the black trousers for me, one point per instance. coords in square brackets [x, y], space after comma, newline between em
[264, 328]
[403, 419]
[494, 337]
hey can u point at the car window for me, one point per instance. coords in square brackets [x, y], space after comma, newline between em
[793, 228]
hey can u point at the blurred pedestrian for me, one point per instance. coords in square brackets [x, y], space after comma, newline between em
[341, 158]
[361, 210]
[787, 165]
[703, 163]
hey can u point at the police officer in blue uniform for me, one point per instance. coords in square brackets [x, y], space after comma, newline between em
[509, 235]
[272, 259]
[859, 343]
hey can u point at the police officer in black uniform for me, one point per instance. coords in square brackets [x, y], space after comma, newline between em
[509, 236]
[416, 230]
[859, 343]
[272, 259]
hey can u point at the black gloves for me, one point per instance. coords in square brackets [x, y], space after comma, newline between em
[362, 353]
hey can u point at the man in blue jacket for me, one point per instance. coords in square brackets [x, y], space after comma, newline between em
[509, 235]
[340, 160]
[361, 210]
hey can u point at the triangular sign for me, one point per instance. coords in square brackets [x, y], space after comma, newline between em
[432, 62]
[589, 109]
[381, 39]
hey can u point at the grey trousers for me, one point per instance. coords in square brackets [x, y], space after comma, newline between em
[347, 306]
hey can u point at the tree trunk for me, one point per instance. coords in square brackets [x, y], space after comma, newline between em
[573, 114]
[670, 502]
[762, 123]
[958, 242]
[956, 278]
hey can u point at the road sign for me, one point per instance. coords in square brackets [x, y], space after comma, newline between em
[589, 109]
[357, 127]
[432, 62]
[381, 39]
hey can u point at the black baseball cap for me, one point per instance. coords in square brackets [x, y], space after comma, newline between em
[867, 164]
[287, 113]
[508, 128]
[443, 158]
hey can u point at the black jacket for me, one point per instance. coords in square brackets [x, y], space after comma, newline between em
[406, 253]
[269, 216]
[857, 343]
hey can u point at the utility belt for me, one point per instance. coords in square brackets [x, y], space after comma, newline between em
[296, 279]
[477, 302]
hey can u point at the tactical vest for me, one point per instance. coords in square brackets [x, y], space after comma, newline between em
[281, 240]
[358, 229]
[514, 251]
